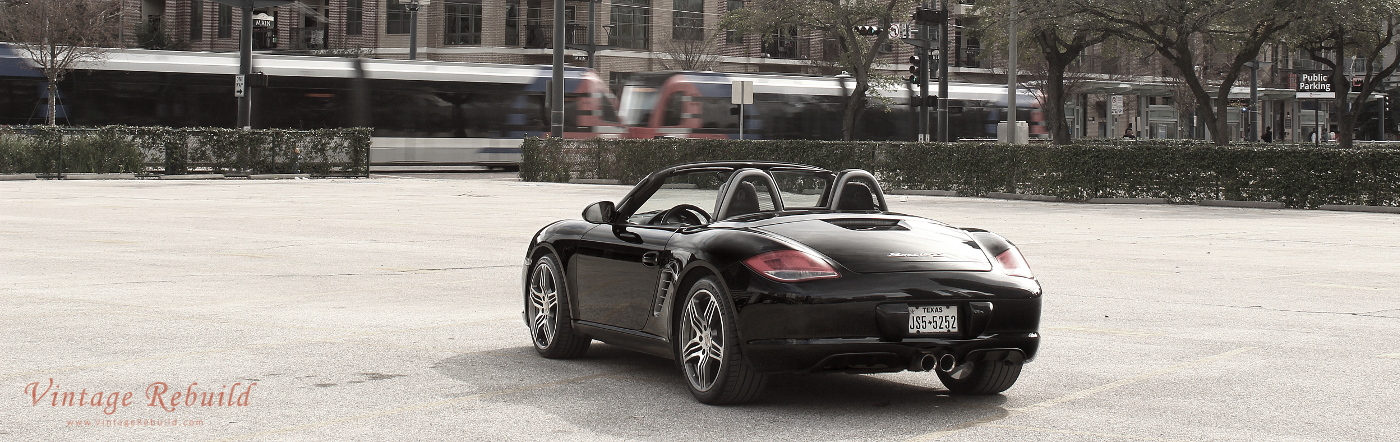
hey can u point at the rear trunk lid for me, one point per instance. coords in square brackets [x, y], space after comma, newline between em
[877, 244]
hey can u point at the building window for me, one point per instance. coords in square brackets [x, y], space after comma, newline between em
[397, 18]
[197, 20]
[732, 36]
[225, 21]
[631, 20]
[463, 25]
[688, 21]
[513, 23]
[354, 17]
[781, 44]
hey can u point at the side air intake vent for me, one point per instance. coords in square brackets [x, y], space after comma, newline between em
[867, 224]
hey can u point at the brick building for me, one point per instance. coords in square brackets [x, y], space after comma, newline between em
[632, 35]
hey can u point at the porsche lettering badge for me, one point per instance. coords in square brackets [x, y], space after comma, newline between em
[913, 255]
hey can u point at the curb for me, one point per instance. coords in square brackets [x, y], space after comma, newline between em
[1021, 197]
[100, 176]
[1243, 204]
[1350, 208]
[922, 192]
[197, 176]
[1127, 201]
[279, 176]
[593, 181]
[18, 177]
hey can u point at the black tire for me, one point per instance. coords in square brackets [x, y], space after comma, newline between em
[983, 377]
[547, 312]
[706, 326]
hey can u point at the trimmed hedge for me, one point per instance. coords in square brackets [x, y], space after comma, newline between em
[121, 149]
[1181, 171]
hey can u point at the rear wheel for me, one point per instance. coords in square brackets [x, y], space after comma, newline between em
[708, 348]
[547, 312]
[982, 377]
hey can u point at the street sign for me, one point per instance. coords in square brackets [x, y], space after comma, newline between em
[239, 84]
[742, 93]
[1315, 85]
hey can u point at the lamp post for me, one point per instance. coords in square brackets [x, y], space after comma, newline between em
[413, 6]
[1252, 134]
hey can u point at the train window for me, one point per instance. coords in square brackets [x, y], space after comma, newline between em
[637, 103]
[675, 104]
[715, 113]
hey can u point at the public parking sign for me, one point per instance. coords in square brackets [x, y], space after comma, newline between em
[1315, 85]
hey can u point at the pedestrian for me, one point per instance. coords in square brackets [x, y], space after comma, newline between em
[1268, 134]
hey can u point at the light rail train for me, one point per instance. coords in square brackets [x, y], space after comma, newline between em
[422, 112]
[697, 105]
[433, 113]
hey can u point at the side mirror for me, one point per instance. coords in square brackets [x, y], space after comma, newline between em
[599, 213]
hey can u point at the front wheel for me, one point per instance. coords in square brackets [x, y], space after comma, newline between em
[982, 377]
[547, 312]
[708, 348]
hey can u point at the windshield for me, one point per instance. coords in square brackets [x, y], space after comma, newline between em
[636, 105]
[801, 189]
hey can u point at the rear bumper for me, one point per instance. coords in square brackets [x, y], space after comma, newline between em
[872, 355]
[860, 323]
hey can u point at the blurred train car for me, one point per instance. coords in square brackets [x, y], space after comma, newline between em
[697, 105]
[422, 112]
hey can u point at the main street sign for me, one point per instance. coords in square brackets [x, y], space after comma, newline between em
[1315, 85]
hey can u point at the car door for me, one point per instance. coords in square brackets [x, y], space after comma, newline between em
[617, 273]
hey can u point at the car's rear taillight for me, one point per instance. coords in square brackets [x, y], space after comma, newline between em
[1012, 263]
[791, 266]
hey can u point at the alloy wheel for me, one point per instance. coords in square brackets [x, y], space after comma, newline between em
[544, 305]
[703, 334]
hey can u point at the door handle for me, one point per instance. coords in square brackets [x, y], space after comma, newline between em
[649, 259]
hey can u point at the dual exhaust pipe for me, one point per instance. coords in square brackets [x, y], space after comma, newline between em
[945, 362]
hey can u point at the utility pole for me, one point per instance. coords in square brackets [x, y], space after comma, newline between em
[943, 129]
[1253, 131]
[245, 66]
[1013, 135]
[556, 88]
[924, 68]
[592, 46]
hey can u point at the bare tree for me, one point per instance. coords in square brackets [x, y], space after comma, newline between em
[1336, 31]
[836, 19]
[690, 55]
[57, 35]
[1179, 30]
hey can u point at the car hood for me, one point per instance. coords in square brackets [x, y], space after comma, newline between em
[876, 244]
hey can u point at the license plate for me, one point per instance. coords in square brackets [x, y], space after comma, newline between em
[933, 319]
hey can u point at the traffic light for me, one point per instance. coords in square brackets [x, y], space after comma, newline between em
[916, 67]
[869, 30]
[927, 16]
[928, 101]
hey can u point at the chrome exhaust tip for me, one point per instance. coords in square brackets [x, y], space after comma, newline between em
[947, 363]
[924, 362]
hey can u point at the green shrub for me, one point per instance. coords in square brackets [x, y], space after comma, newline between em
[53, 150]
[1181, 171]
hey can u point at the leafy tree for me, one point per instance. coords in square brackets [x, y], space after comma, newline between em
[57, 35]
[836, 19]
[1181, 31]
[1333, 32]
[1060, 34]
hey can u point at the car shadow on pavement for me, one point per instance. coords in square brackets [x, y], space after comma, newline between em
[610, 387]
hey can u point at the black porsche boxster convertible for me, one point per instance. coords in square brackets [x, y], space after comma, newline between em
[738, 270]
